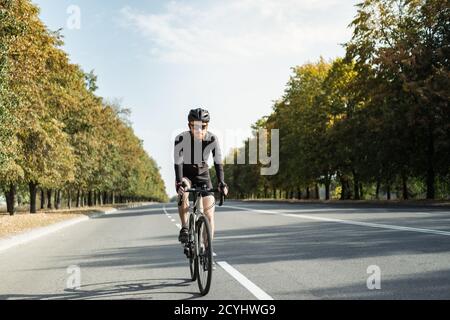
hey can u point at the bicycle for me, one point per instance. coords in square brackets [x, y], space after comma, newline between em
[199, 249]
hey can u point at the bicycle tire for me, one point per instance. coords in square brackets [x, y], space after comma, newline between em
[204, 257]
[192, 253]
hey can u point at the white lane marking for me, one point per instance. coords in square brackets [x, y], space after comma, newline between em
[174, 208]
[353, 210]
[165, 210]
[250, 286]
[356, 223]
[173, 220]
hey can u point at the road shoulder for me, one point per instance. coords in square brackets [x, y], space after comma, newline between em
[43, 226]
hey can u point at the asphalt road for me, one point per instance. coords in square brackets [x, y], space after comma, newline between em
[264, 251]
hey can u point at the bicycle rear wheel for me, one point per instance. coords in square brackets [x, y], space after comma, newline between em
[205, 255]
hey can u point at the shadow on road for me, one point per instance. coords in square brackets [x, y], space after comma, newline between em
[147, 289]
[323, 240]
[287, 240]
[432, 285]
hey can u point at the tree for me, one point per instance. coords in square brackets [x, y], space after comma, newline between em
[55, 133]
[403, 46]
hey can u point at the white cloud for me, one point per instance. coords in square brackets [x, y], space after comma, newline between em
[237, 30]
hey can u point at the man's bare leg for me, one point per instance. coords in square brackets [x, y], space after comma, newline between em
[183, 210]
[208, 203]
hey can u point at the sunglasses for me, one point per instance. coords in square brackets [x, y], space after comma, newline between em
[192, 126]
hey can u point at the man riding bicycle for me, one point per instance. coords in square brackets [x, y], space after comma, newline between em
[192, 150]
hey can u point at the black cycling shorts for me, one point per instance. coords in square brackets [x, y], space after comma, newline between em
[198, 176]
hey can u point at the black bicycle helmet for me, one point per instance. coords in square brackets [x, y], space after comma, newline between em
[199, 115]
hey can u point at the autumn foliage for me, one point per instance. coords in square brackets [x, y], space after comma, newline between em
[57, 138]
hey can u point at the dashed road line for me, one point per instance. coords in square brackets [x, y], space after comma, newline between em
[170, 217]
[239, 277]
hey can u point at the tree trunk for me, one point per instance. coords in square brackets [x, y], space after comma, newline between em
[343, 190]
[388, 191]
[42, 199]
[327, 189]
[19, 200]
[430, 167]
[78, 198]
[113, 197]
[377, 191]
[10, 196]
[69, 199]
[299, 194]
[316, 189]
[90, 203]
[308, 194]
[404, 187]
[356, 185]
[58, 199]
[33, 193]
[49, 199]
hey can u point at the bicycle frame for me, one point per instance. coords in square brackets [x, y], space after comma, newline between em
[193, 250]
[197, 209]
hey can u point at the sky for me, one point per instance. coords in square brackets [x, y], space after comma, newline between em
[163, 58]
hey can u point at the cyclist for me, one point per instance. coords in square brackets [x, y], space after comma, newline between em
[192, 151]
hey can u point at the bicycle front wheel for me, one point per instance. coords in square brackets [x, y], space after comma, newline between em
[192, 253]
[205, 255]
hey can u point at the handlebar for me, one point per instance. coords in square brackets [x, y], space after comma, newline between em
[195, 190]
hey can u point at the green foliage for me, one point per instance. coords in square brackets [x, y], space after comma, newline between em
[54, 131]
[374, 122]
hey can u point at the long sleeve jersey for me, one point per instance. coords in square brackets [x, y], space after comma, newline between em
[192, 155]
